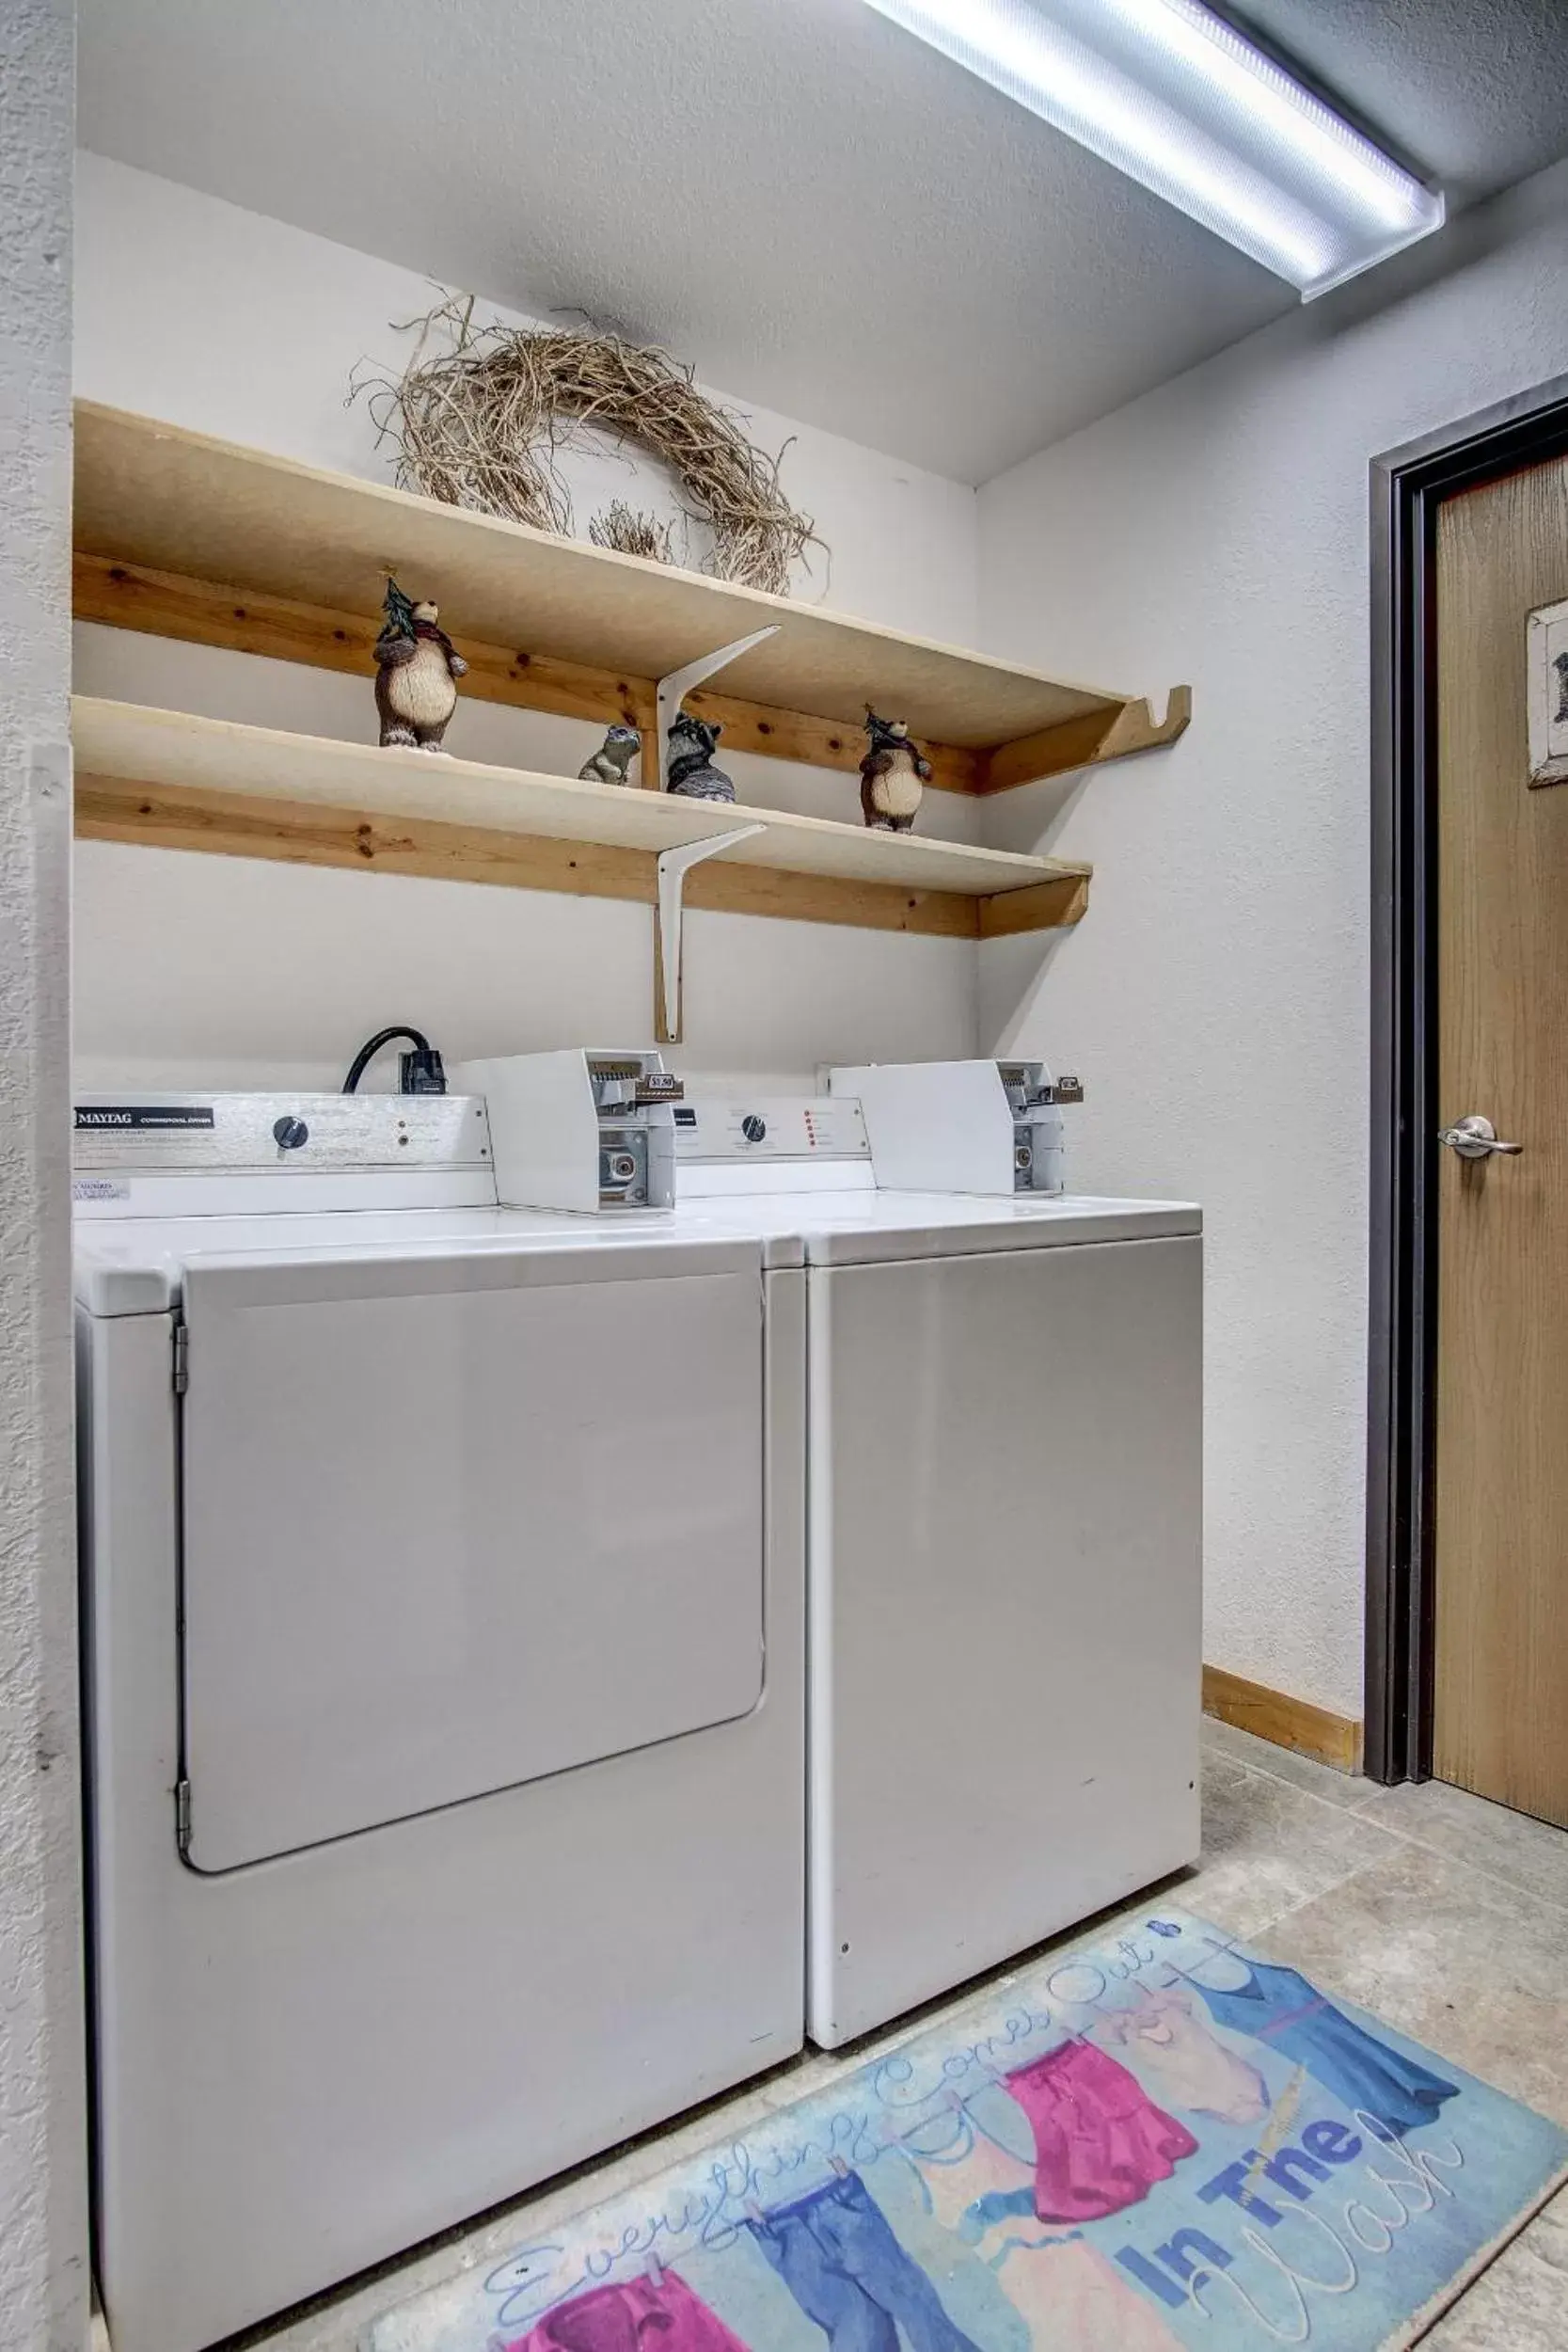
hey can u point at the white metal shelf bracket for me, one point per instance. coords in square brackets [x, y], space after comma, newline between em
[669, 917]
[673, 690]
[674, 864]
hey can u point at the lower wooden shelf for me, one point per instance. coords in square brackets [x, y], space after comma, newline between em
[166, 779]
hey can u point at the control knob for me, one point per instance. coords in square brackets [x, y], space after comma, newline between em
[289, 1134]
[754, 1128]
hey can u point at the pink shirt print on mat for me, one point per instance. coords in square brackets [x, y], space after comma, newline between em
[1100, 2143]
[1183, 2060]
[634, 2315]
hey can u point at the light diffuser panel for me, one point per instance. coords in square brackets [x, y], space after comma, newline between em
[1173, 96]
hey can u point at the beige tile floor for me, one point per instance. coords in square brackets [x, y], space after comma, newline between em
[1446, 1914]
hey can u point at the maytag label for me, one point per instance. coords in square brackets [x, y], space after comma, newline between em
[124, 1115]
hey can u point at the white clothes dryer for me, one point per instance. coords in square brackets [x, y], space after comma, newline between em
[443, 1618]
[1004, 1558]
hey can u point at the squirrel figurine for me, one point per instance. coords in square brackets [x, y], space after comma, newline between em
[609, 763]
[416, 673]
[894, 774]
[690, 772]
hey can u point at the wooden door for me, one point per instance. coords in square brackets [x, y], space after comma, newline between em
[1501, 1562]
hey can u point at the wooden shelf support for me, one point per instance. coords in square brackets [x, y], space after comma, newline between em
[1086, 741]
[1136, 729]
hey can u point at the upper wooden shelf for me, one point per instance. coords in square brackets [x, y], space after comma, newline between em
[170, 779]
[187, 536]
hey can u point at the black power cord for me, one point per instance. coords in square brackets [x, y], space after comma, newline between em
[418, 1072]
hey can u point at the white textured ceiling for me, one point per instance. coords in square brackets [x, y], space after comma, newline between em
[820, 214]
[1475, 91]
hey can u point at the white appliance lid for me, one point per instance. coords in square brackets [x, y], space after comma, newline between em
[868, 1228]
[132, 1265]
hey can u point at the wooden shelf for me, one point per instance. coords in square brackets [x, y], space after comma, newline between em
[166, 778]
[185, 537]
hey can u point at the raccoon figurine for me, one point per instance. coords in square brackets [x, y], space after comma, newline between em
[609, 763]
[893, 775]
[690, 772]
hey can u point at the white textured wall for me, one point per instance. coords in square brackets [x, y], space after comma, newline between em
[43, 2269]
[1216, 997]
[198, 968]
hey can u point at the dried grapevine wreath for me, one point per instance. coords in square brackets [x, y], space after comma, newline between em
[480, 423]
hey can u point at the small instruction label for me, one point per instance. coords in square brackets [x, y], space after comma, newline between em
[124, 1115]
[99, 1188]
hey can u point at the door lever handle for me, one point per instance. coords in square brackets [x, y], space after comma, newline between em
[1476, 1139]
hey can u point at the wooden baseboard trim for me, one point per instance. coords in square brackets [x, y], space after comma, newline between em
[1288, 1723]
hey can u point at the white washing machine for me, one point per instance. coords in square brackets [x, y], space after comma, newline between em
[443, 1614]
[1004, 1573]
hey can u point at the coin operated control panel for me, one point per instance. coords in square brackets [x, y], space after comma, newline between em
[583, 1129]
[962, 1126]
[789, 1127]
[770, 1143]
[1039, 1147]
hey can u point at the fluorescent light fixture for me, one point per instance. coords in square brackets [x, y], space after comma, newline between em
[1170, 94]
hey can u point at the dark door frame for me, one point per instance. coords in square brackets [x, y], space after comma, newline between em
[1408, 486]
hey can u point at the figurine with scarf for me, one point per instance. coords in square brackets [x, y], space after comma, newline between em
[416, 673]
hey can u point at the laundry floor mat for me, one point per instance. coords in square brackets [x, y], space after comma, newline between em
[1150, 2144]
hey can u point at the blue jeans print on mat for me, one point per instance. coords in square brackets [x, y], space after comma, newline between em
[841, 2262]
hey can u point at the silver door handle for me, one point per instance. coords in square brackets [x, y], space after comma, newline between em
[1475, 1138]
